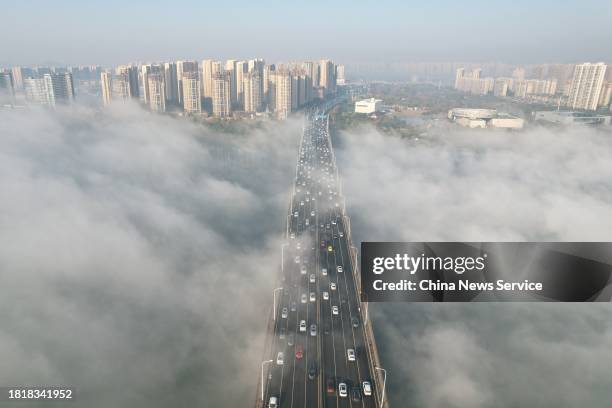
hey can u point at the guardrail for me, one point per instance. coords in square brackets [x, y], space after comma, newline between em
[372, 354]
[270, 332]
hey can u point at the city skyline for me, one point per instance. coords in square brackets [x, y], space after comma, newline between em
[391, 31]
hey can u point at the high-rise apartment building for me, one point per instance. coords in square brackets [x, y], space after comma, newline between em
[327, 78]
[502, 86]
[518, 74]
[312, 70]
[209, 69]
[171, 81]
[17, 77]
[586, 86]
[192, 101]
[145, 70]
[36, 91]
[230, 68]
[282, 93]
[7, 88]
[50, 90]
[62, 86]
[106, 82]
[340, 79]
[130, 73]
[266, 84]
[156, 92]
[221, 99]
[605, 97]
[470, 81]
[252, 89]
[241, 69]
[121, 89]
[256, 64]
[182, 67]
[524, 88]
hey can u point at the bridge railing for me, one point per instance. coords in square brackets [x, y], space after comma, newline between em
[372, 352]
[271, 324]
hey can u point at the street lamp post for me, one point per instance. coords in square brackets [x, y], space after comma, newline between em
[283, 256]
[262, 377]
[274, 294]
[366, 307]
[382, 400]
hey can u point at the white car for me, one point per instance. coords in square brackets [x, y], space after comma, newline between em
[292, 237]
[302, 325]
[303, 269]
[325, 295]
[284, 313]
[312, 278]
[351, 354]
[307, 222]
[342, 390]
[301, 203]
[367, 388]
[313, 297]
[273, 402]
[312, 213]
[324, 271]
[335, 310]
[339, 269]
[313, 330]
[297, 259]
[280, 358]
[303, 298]
[341, 234]
[295, 214]
[332, 285]
[333, 222]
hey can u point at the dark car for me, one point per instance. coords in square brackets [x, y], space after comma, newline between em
[356, 394]
[355, 322]
[312, 371]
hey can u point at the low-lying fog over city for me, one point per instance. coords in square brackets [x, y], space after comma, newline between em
[170, 175]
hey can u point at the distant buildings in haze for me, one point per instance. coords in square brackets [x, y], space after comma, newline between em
[588, 88]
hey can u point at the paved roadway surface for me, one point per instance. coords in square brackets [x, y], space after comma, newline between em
[317, 277]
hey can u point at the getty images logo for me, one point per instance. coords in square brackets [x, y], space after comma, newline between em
[412, 264]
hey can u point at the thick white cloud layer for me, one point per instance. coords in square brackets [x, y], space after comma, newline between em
[138, 254]
[462, 185]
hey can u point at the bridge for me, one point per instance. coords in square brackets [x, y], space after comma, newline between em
[320, 349]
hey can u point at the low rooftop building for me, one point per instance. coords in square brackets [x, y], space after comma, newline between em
[368, 106]
[566, 118]
[484, 118]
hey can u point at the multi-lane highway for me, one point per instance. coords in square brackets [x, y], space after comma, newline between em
[321, 352]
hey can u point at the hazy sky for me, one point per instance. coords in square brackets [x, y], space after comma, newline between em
[112, 31]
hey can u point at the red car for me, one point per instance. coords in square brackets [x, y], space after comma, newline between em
[331, 386]
[299, 352]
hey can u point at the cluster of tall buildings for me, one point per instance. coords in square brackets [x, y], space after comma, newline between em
[588, 87]
[471, 82]
[218, 88]
[44, 86]
[222, 89]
